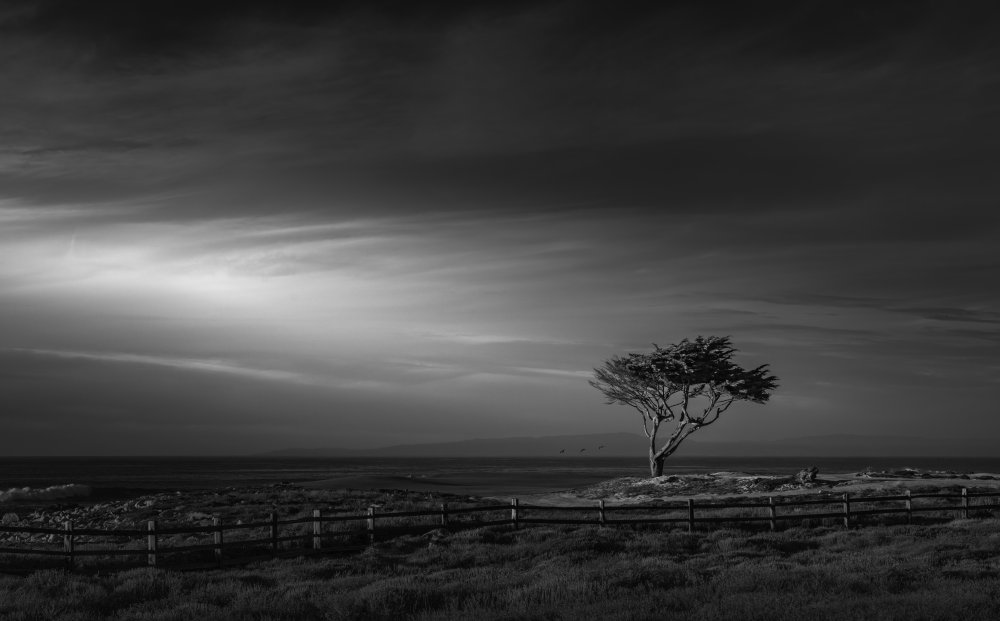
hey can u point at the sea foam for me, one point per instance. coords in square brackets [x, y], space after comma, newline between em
[53, 492]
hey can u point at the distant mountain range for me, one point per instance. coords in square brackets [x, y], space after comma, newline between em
[629, 445]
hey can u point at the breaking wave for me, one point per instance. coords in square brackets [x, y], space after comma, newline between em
[53, 492]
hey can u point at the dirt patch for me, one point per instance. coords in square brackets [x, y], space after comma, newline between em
[638, 490]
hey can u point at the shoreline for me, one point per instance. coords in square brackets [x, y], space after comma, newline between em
[493, 485]
[503, 486]
[355, 495]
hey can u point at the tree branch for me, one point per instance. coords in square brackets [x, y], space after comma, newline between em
[645, 428]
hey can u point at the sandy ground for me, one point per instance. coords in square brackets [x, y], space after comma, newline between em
[731, 484]
[635, 490]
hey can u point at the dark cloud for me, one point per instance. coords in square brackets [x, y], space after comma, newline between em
[457, 107]
[812, 29]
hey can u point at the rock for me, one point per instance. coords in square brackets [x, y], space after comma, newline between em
[10, 518]
[807, 475]
[436, 534]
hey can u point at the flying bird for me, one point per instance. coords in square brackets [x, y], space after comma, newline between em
[562, 451]
[600, 447]
[582, 450]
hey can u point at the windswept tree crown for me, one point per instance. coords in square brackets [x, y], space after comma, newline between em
[702, 367]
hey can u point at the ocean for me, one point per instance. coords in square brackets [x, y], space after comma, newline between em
[115, 476]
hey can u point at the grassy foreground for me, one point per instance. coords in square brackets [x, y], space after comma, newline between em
[947, 571]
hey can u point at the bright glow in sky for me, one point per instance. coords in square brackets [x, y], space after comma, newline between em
[338, 229]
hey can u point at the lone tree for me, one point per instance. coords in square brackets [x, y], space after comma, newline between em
[689, 384]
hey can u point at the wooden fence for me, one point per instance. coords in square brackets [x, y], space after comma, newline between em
[316, 532]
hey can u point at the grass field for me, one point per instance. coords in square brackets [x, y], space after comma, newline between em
[947, 571]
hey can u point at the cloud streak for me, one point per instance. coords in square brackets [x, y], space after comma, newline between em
[186, 364]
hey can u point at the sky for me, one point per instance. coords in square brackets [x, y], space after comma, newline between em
[231, 227]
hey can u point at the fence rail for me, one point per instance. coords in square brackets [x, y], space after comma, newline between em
[149, 542]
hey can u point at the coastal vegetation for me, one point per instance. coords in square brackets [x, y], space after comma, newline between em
[943, 571]
[881, 567]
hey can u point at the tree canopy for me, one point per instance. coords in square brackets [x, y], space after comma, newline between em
[689, 384]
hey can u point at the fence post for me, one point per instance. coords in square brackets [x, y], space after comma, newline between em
[217, 539]
[317, 530]
[847, 510]
[151, 543]
[601, 517]
[444, 514]
[773, 513]
[513, 512]
[273, 518]
[68, 544]
[965, 503]
[690, 515]
[371, 525]
[909, 507]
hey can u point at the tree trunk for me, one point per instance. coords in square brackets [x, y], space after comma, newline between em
[656, 466]
[655, 463]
